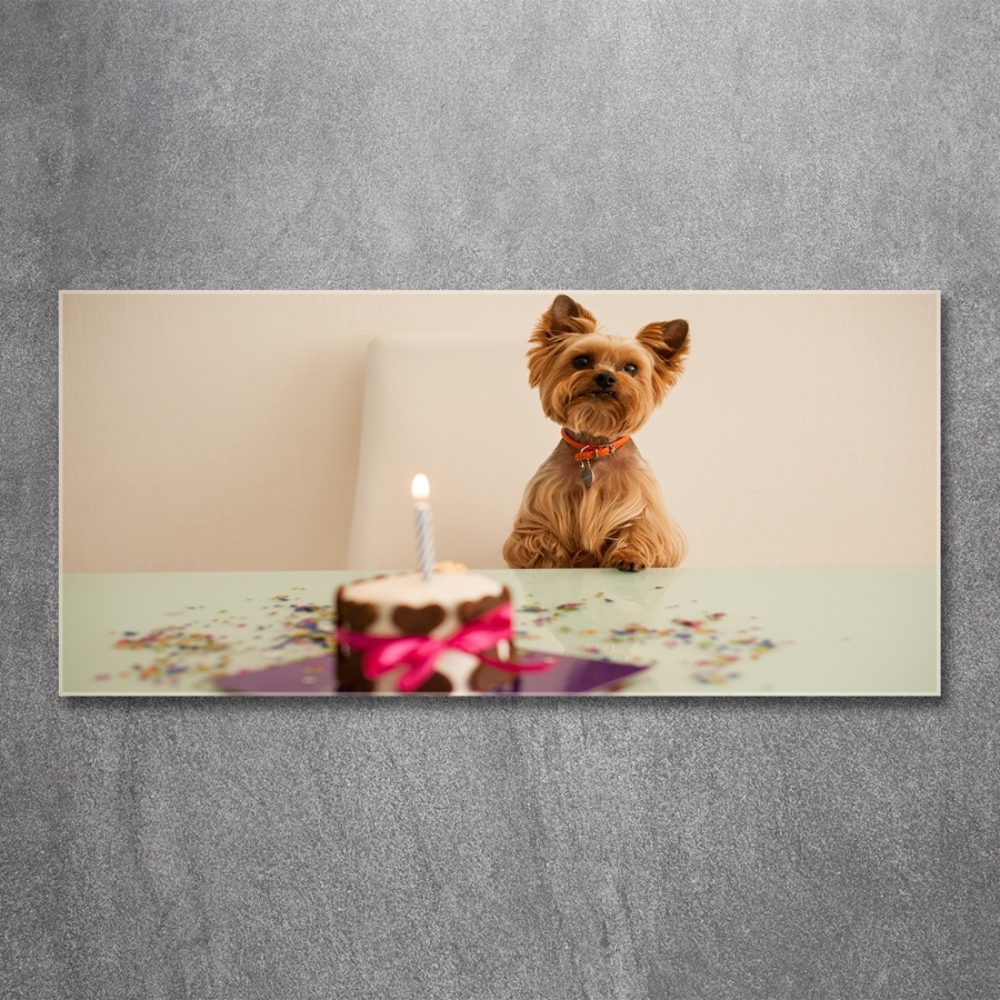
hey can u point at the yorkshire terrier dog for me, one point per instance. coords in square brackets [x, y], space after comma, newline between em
[595, 501]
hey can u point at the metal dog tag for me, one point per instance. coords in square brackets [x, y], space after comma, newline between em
[586, 474]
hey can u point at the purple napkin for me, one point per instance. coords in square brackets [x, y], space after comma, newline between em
[568, 675]
[312, 676]
[572, 675]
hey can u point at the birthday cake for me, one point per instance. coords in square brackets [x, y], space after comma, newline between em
[401, 633]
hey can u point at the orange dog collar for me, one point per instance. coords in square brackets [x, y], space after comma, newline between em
[588, 452]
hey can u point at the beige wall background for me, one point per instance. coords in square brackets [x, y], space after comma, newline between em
[221, 430]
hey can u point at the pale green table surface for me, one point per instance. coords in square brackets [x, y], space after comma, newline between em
[870, 631]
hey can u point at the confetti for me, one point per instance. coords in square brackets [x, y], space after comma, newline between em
[717, 647]
[706, 643]
[207, 648]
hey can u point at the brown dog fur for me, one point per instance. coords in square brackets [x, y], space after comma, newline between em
[620, 520]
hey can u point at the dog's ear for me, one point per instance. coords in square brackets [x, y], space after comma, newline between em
[669, 344]
[564, 318]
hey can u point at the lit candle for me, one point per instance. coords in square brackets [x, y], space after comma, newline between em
[420, 491]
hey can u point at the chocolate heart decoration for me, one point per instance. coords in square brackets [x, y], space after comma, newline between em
[418, 621]
[350, 671]
[355, 617]
[435, 684]
[471, 610]
[486, 677]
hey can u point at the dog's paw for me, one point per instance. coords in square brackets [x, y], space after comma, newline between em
[629, 567]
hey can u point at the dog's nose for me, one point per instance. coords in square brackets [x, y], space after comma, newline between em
[605, 380]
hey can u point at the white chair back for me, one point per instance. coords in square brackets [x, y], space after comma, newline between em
[456, 407]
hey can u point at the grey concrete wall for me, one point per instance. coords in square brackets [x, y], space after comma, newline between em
[562, 849]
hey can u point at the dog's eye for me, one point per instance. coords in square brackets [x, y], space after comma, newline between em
[581, 361]
[631, 369]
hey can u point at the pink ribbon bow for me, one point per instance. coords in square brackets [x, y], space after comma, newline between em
[421, 652]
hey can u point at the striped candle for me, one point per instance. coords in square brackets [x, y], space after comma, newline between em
[420, 491]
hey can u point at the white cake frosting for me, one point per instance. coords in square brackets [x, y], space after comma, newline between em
[447, 590]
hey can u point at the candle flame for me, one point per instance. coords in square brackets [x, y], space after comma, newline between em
[421, 489]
